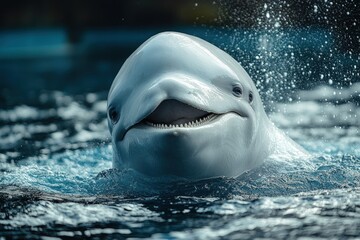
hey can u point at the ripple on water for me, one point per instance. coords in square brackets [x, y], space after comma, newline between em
[56, 190]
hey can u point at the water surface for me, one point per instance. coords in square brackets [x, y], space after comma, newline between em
[52, 153]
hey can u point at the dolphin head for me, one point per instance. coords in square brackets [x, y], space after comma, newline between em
[181, 106]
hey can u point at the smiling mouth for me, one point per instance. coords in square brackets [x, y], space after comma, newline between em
[175, 114]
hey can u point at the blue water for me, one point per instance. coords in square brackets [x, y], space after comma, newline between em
[62, 185]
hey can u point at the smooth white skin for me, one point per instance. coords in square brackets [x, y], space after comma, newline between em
[176, 66]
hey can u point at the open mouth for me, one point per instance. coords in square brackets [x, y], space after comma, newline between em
[174, 114]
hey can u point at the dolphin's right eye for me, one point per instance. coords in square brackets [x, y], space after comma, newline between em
[113, 115]
[237, 91]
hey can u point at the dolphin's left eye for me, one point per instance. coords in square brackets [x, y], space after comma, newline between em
[237, 91]
[113, 115]
[251, 97]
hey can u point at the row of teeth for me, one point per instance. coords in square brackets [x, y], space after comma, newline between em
[195, 123]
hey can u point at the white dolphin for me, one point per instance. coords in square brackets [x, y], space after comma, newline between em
[181, 106]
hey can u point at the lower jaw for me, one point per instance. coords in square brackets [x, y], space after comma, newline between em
[193, 153]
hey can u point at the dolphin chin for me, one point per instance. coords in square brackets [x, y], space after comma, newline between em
[181, 106]
[184, 150]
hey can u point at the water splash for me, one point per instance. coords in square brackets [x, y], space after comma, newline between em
[281, 55]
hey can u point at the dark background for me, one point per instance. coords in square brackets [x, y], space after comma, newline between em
[78, 46]
[78, 16]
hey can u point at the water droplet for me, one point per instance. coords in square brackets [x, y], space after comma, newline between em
[316, 9]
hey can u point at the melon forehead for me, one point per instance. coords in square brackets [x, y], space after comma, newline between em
[172, 52]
